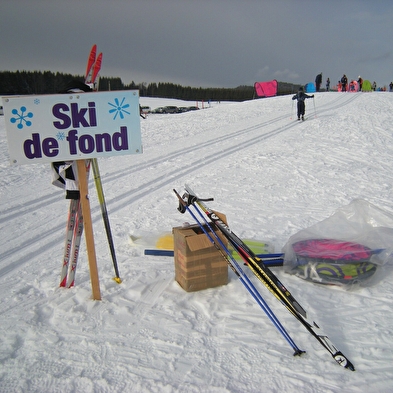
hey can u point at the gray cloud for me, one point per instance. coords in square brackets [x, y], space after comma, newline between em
[222, 43]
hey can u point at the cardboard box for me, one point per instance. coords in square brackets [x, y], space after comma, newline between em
[198, 263]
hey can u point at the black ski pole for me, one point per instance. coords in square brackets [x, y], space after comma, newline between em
[101, 198]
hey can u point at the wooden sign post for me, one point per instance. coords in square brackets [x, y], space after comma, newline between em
[88, 226]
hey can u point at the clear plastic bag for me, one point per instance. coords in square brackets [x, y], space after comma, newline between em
[346, 248]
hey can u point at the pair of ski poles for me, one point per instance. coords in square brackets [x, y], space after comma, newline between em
[221, 247]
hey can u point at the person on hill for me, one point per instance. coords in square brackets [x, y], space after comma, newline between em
[360, 83]
[344, 82]
[327, 84]
[391, 86]
[374, 87]
[318, 81]
[300, 96]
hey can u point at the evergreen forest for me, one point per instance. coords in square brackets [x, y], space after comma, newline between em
[47, 82]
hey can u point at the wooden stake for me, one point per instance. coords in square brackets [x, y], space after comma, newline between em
[88, 226]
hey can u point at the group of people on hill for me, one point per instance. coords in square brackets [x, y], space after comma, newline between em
[344, 86]
[342, 83]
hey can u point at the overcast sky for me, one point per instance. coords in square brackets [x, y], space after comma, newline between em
[202, 43]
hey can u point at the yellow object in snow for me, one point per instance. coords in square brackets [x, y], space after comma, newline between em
[165, 242]
[256, 246]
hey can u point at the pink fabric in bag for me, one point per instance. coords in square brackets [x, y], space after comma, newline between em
[332, 249]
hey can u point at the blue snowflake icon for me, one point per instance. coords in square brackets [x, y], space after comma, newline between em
[21, 118]
[60, 136]
[119, 108]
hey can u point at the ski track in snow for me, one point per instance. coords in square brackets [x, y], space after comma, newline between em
[272, 176]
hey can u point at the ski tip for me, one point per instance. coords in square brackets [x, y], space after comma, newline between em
[117, 279]
[298, 352]
[351, 367]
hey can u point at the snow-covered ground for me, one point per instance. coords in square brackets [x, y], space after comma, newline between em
[272, 177]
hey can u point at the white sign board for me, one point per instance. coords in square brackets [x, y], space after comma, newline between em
[67, 127]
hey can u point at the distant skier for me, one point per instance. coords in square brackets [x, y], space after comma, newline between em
[344, 82]
[301, 106]
[327, 84]
[360, 83]
[318, 81]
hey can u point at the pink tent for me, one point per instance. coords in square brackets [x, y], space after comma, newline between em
[266, 89]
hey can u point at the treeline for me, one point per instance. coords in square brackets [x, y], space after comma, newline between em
[170, 90]
[47, 82]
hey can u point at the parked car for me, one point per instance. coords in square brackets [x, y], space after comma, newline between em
[145, 109]
[171, 109]
[183, 109]
[193, 108]
[159, 110]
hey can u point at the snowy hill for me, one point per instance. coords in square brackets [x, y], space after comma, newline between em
[272, 176]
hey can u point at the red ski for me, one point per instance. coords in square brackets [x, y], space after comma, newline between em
[96, 69]
[90, 62]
